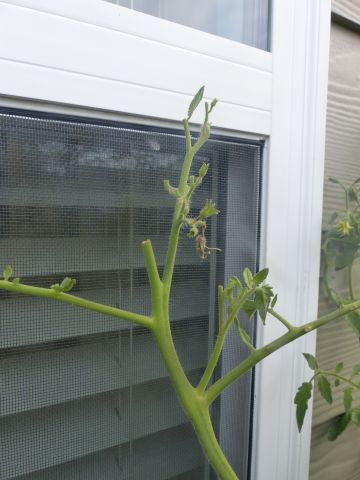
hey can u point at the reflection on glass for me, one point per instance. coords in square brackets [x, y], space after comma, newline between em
[245, 21]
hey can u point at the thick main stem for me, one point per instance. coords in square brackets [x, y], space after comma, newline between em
[192, 401]
[206, 436]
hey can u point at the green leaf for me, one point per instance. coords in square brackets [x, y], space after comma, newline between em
[248, 278]
[261, 304]
[16, 281]
[208, 209]
[263, 297]
[345, 256]
[234, 282]
[355, 416]
[195, 101]
[67, 284]
[261, 276]
[334, 180]
[213, 104]
[249, 308]
[301, 401]
[8, 271]
[339, 367]
[353, 320]
[338, 426]
[356, 369]
[337, 382]
[203, 170]
[242, 334]
[348, 398]
[324, 387]
[273, 301]
[311, 360]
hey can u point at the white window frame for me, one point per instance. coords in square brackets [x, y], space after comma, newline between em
[92, 55]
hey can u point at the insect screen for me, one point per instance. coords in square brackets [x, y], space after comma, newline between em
[83, 395]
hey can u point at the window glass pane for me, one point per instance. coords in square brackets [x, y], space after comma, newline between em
[87, 396]
[245, 21]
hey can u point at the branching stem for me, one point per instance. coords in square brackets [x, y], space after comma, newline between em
[136, 318]
[255, 357]
[283, 320]
[339, 377]
[205, 379]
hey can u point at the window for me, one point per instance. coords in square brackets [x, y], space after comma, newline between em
[87, 396]
[117, 71]
[245, 21]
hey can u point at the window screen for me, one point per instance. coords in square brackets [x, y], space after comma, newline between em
[85, 396]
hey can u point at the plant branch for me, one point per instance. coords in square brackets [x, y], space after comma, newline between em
[350, 282]
[255, 357]
[178, 211]
[220, 306]
[188, 144]
[182, 202]
[339, 377]
[281, 319]
[205, 379]
[136, 318]
[156, 286]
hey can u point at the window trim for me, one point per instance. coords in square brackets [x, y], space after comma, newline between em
[58, 68]
[122, 19]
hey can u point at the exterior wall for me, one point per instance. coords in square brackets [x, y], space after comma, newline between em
[348, 9]
[336, 342]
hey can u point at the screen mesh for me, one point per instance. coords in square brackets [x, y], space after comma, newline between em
[85, 396]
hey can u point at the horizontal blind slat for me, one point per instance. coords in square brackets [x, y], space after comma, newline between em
[163, 448]
[56, 376]
[55, 435]
[27, 320]
[45, 256]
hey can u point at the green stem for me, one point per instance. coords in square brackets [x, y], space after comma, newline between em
[255, 357]
[136, 318]
[350, 282]
[283, 320]
[178, 212]
[192, 401]
[339, 377]
[220, 306]
[205, 379]
[206, 436]
[156, 286]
